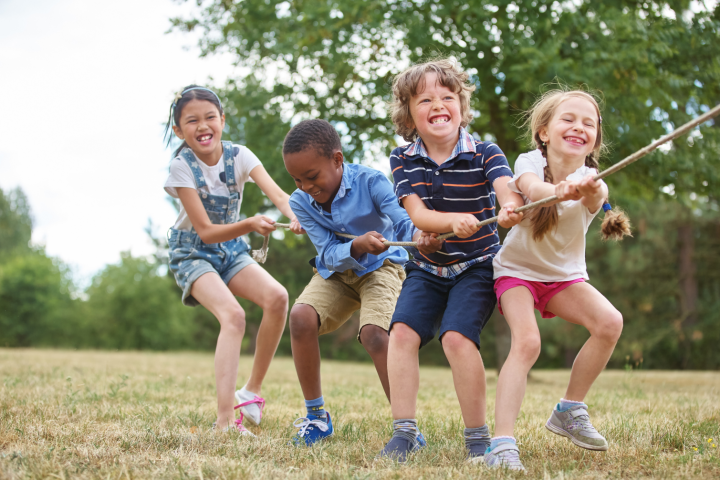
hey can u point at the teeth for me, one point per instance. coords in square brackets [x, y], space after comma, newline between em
[440, 120]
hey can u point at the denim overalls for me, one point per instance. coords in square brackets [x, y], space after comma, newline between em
[190, 257]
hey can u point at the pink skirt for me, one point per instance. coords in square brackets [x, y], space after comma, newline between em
[542, 292]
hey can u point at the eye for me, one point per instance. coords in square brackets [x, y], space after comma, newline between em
[313, 177]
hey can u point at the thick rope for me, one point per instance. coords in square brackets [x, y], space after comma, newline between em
[261, 255]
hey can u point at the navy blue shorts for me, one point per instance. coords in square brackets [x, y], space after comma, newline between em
[462, 304]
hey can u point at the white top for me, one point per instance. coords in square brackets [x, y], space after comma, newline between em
[182, 176]
[560, 255]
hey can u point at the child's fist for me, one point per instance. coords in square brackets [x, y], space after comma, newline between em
[465, 225]
[567, 191]
[507, 218]
[427, 242]
[588, 187]
[295, 227]
[371, 242]
[263, 225]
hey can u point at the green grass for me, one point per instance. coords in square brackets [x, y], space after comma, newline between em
[69, 414]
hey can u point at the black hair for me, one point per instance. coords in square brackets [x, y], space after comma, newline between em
[317, 134]
[191, 92]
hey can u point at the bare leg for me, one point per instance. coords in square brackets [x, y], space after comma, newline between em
[375, 340]
[518, 308]
[304, 329]
[255, 284]
[403, 370]
[214, 295]
[468, 376]
[582, 304]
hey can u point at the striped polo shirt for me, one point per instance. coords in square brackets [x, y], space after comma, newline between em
[462, 184]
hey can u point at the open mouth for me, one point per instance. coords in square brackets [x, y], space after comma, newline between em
[205, 139]
[316, 193]
[440, 119]
[575, 140]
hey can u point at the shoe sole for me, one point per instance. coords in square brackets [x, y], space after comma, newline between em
[559, 431]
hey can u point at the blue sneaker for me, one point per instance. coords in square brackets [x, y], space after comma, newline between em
[312, 430]
[399, 447]
[476, 451]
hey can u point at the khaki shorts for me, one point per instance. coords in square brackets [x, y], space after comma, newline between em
[338, 297]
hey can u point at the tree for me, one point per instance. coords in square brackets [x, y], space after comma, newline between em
[15, 222]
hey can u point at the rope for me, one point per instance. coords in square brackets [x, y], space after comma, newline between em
[261, 255]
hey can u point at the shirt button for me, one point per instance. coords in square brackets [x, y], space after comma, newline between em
[437, 173]
[342, 229]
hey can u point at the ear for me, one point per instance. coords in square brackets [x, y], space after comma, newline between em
[338, 158]
[542, 133]
[178, 132]
[222, 122]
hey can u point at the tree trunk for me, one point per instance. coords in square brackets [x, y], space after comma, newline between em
[688, 287]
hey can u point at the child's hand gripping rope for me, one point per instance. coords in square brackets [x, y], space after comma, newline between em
[582, 188]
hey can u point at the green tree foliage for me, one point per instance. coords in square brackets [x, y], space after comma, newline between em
[15, 222]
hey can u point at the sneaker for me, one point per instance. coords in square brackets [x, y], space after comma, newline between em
[476, 451]
[237, 427]
[574, 423]
[250, 406]
[505, 455]
[311, 430]
[399, 447]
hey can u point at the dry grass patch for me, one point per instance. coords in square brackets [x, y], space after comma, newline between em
[66, 414]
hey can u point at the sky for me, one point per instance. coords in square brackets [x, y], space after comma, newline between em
[87, 87]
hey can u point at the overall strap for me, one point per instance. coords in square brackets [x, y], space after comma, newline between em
[229, 160]
[189, 157]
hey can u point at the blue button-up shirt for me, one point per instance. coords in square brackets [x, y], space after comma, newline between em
[365, 202]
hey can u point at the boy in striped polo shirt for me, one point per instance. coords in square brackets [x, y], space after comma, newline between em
[447, 181]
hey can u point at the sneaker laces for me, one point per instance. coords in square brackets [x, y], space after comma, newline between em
[307, 424]
[257, 399]
[582, 422]
[510, 458]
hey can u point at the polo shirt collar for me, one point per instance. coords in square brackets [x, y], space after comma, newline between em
[465, 144]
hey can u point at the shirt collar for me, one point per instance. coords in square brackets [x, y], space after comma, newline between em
[465, 144]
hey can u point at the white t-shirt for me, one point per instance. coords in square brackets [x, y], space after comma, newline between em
[560, 255]
[181, 176]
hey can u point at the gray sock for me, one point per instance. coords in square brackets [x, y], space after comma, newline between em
[477, 436]
[406, 428]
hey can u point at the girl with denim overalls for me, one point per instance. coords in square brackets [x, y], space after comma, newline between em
[207, 175]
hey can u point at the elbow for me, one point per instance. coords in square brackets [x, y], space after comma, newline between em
[205, 235]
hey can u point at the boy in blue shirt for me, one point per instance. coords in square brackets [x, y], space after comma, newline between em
[355, 274]
[447, 181]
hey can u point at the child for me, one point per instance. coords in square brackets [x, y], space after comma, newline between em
[349, 274]
[208, 175]
[542, 265]
[447, 181]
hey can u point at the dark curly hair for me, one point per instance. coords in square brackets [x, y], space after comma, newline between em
[317, 134]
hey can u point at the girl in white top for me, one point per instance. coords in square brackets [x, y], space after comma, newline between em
[207, 256]
[542, 265]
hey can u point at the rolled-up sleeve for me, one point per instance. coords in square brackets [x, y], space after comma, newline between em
[333, 253]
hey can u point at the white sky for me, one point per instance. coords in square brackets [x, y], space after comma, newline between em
[85, 87]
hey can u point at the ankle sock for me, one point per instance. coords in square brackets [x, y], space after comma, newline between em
[495, 441]
[316, 409]
[566, 404]
[476, 436]
[406, 428]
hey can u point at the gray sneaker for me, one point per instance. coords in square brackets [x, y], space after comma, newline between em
[574, 423]
[505, 455]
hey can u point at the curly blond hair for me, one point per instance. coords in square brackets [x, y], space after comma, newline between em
[412, 81]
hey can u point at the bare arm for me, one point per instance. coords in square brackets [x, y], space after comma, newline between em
[508, 201]
[462, 224]
[211, 233]
[589, 191]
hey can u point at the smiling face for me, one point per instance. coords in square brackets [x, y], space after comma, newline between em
[315, 174]
[201, 126]
[572, 132]
[436, 113]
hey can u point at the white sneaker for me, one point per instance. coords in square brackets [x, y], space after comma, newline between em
[250, 404]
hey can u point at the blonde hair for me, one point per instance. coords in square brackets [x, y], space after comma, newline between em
[411, 81]
[615, 224]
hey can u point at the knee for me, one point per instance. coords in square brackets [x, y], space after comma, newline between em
[233, 320]
[276, 299]
[454, 342]
[404, 337]
[374, 340]
[526, 348]
[303, 321]
[610, 328]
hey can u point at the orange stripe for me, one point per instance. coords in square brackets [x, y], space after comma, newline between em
[440, 265]
[469, 213]
[398, 168]
[458, 185]
[472, 240]
[496, 155]
[414, 184]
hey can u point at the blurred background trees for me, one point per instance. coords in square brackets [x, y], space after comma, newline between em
[656, 65]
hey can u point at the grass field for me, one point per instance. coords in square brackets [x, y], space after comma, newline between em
[69, 414]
